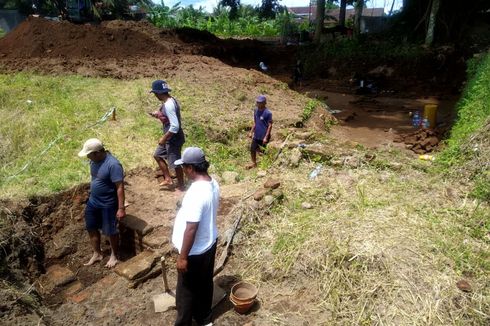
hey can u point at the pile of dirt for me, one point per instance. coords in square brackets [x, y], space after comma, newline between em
[21, 261]
[126, 49]
[37, 37]
[421, 141]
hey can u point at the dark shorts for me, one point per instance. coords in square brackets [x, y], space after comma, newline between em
[169, 152]
[257, 145]
[101, 219]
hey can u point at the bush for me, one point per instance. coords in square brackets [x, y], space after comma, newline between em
[219, 23]
[467, 152]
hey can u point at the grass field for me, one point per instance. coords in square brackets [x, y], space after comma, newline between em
[47, 119]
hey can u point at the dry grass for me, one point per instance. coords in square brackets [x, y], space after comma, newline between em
[380, 247]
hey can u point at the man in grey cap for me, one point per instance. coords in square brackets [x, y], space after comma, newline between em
[194, 235]
[170, 144]
[105, 206]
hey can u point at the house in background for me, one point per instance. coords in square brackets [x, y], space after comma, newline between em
[372, 20]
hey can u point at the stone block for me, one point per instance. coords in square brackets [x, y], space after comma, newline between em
[134, 223]
[230, 177]
[80, 296]
[97, 289]
[158, 238]
[272, 184]
[295, 157]
[56, 276]
[260, 193]
[318, 151]
[137, 266]
[72, 289]
[269, 200]
[433, 141]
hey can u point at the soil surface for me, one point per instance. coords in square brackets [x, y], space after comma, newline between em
[134, 50]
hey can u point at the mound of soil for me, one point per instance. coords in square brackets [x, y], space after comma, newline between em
[37, 37]
[125, 49]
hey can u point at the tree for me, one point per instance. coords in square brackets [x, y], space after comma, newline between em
[331, 4]
[269, 9]
[359, 5]
[429, 37]
[343, 5]
[233, 4]
[320, 17]
[451, 21]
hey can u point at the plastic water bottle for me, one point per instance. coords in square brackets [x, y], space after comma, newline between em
[315, 172]
[425, 123]
[416, 119]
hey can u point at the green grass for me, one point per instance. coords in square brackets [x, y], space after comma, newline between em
[473, 112]
[467, 151]
[309, 108]
[49, 118]
[383, 248]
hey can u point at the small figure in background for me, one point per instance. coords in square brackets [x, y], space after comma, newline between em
[261, 130]
[263, 67]
[298, 73]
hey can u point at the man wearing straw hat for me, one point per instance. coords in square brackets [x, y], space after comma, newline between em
[105, 206]
[195, 236]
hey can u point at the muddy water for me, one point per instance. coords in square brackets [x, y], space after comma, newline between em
[374, 121]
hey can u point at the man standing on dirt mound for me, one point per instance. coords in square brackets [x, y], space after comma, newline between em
[261, 130]
[170, 144]
[105, 206]
[194, 235]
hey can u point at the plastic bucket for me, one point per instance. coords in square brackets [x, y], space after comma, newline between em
[430, 113]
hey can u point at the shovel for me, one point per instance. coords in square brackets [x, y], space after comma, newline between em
[165, 301]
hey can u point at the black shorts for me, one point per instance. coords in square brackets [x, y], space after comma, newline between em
[257, 145]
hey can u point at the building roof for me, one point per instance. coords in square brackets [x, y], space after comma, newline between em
[333, 14]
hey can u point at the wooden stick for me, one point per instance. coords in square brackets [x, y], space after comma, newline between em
[164, 274]
[282, 147]
[222, 259]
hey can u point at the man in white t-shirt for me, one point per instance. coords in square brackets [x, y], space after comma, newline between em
[194, 235]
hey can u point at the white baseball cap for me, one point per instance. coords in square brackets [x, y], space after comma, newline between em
[90, 146]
